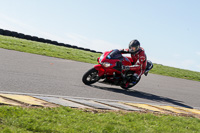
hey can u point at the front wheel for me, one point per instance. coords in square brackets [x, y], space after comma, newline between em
[90, 77]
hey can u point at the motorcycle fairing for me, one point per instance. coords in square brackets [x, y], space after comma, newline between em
[100, 70]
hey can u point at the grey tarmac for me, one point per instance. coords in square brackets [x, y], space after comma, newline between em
[30, 73]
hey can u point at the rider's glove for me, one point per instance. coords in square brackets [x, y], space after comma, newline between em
[125, 67]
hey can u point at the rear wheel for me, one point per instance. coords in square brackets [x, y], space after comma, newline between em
[129, 75]
[130, 85]
[90, 77]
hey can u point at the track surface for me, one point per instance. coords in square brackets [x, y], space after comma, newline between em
[30, 73]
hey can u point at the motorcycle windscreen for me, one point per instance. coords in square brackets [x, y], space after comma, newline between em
[115, 54]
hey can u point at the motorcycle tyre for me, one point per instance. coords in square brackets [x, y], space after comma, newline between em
[89, 72]
[126, 88]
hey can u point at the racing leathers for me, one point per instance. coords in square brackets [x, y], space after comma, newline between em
[139, 62]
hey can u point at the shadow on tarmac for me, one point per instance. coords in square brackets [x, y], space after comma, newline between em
[144, 95]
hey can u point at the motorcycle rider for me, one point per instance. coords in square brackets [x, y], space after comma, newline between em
[139, 60]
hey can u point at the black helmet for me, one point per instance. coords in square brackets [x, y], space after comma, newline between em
[134, 46]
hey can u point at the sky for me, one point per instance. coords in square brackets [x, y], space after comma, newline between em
[168, 30]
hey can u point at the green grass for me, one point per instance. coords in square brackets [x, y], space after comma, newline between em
[47, 49]
[83, 56]
[67, 120]
[175, 72]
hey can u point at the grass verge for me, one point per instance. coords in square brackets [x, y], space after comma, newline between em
[83, 56]
[64, 119]
[175, 72]
[47, 49]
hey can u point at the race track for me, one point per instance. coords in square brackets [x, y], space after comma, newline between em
[30, 73]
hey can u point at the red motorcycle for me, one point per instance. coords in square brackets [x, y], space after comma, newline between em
[110, 68]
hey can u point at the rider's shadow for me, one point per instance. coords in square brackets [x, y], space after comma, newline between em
[144, 95]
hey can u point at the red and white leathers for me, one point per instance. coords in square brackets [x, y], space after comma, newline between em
[139, 61]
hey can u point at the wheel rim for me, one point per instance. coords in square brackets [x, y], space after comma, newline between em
[92, 77]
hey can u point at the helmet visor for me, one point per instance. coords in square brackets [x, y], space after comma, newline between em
[134, 49]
